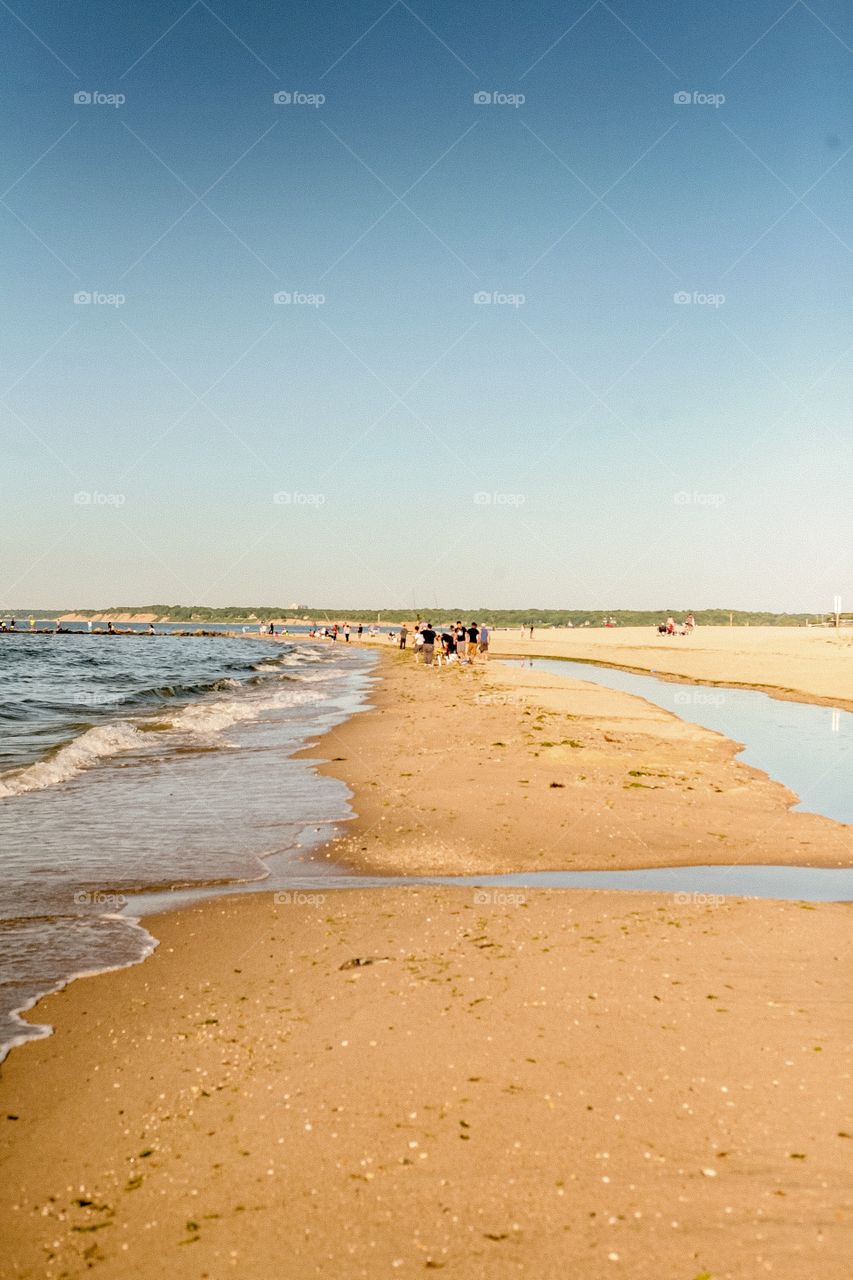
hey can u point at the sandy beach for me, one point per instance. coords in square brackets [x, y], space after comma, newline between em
[546, 773]
[478, 1082]
[809, 664]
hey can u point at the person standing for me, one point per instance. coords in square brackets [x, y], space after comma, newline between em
[404, 634]
[360, 630]
[346, 632]
[429, 644]
[483, 645]
[473, 633]
[459, 633]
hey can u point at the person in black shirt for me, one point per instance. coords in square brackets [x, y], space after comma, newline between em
[473, 633]
[429, 643]
[459, 632]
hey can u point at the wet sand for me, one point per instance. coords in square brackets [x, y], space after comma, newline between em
[507, 769]
[517, 1083]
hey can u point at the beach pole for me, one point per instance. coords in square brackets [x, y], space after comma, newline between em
[837, 603]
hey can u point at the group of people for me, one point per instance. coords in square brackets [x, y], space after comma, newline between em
[59, 630]
[673, 628]
[333, 632]
[456, 643]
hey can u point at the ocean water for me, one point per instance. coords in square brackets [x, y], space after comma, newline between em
[138, 763]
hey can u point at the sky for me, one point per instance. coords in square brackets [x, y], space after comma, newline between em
[378, 305]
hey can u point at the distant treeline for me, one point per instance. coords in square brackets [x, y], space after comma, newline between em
[495, 617]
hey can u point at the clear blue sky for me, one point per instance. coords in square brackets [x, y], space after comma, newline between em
[597, 444]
